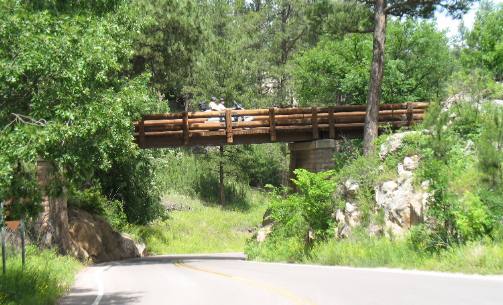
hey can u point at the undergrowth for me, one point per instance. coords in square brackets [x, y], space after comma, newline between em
[474, 257]
[46, 278]
[201, 227]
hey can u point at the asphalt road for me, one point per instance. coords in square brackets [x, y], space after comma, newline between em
[227, 280]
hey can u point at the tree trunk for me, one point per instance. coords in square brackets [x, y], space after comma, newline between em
[222, 186]
[370, 131]
[52, 226]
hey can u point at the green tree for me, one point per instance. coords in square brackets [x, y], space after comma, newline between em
[490, 149]
[485, 42]
[336, 70]
[64, 95]
[168, 45]
[381, 10]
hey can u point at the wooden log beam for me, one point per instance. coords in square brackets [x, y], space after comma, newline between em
[284, 121]
[278, 118]
[279, 111]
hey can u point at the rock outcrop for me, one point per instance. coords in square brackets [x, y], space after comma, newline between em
[94, 239]
[76, 232]
[403, 205]
[266, 228]
[394, 142]
[401, 202]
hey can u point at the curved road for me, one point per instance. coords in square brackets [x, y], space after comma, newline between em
[226, 279]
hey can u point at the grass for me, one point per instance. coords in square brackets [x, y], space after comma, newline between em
[205, 228]
[476, 257]
[46, 278]
[481, 257]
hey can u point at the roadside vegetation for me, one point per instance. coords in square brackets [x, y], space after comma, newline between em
[47, 275]
[197, 222]
[200, 227]
[463, 230]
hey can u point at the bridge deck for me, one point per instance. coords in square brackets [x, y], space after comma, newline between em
[267, 125]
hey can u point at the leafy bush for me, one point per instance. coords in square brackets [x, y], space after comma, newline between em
[299, 217]
[132, 181]
[93, 201]
[473, 219]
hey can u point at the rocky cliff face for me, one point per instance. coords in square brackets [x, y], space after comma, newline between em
[76, 232]
[401, 203]
[93, 239]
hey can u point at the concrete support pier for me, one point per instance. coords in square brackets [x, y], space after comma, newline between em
[315, 156]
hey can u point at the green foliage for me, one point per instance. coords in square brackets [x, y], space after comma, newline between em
[337, 71]
[168, 45]
[196, 172]
[259, 164]
[46, 278]
[298, 217]
[93, 201]
[465, 200]
[477, 257]
[473, 219]
[485, 42]
[65, 97]
[198, 227]
[312, 202]
[490, 148]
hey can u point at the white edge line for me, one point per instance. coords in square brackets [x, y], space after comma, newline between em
[99, 283]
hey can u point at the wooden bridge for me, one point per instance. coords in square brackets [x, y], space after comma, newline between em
[267, 125]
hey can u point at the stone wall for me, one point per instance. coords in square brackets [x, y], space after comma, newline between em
[315, 156]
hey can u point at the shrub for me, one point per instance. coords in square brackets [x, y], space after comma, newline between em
[473, 219]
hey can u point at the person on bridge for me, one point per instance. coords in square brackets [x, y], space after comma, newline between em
[213, 104]
[221, 105]
[203, 107]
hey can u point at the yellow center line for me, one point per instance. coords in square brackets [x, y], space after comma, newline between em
[272, 289]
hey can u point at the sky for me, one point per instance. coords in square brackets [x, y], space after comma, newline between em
[450, 25]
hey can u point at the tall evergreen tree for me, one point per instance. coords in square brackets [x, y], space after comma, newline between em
[381, 10]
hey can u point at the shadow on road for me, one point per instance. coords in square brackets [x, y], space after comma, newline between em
[173, 259]
[79, 296]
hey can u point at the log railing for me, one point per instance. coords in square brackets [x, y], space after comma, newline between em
[267, 125]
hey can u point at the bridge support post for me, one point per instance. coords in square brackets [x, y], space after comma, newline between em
[315, 156]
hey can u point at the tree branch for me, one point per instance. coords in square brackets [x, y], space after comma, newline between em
[408, 4]
[359, 31]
